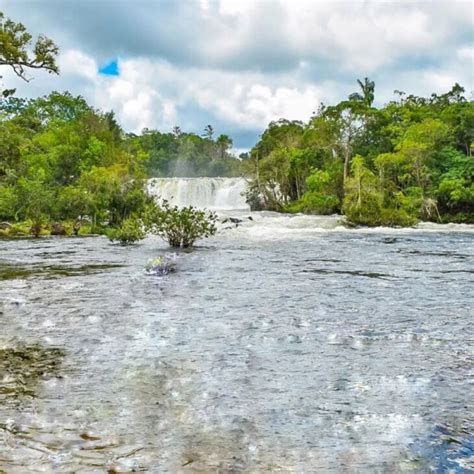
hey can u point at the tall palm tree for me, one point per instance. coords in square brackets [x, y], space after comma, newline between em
[367, 94]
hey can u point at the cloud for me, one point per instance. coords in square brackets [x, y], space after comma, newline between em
[76, 63]
[240, 64]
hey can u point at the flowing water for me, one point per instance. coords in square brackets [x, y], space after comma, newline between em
[282, 344]
[210, 193]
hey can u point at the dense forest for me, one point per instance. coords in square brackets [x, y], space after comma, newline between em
[409, 160]
[186, 154]
[62, 160]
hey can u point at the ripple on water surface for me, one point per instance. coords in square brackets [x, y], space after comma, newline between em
[282, 344]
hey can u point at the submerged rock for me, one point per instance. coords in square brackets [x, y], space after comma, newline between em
[58, 229]
[160, 266]
[233, 220]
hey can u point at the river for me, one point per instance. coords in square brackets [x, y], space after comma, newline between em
[285, 343]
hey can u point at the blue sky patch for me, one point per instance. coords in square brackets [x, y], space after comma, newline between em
[110, 69]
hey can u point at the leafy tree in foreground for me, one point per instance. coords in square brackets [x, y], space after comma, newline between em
[180, 227]
[18, 51]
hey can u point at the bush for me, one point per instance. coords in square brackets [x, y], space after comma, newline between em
[315, 203]
[180, 227]
[367, 213]
[392, 217]
[130, 232]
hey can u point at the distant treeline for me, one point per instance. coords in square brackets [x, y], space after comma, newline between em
[186, 154]
[408, 160]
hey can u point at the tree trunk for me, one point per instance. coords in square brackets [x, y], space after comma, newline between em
[346, 165]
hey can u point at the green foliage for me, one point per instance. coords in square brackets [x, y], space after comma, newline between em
[180, 227]
[73, 202]
[129, 232]
[60, 159]
[455, 191]
[186, 154]
[35, 200]
[363, 202]
[8, 200]
[319, 197]
[18, 51]
[417, 160]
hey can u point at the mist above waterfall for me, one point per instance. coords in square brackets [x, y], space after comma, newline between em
[208, 193]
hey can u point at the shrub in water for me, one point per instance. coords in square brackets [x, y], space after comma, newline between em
[180, 227]
[130, 231]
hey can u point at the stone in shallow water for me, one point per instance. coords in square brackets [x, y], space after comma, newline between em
[22, 367]
[160, 266]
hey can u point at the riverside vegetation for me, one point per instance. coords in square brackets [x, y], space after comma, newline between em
[68, 168]
[410, 159]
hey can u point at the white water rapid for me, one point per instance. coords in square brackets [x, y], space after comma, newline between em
[209, 193]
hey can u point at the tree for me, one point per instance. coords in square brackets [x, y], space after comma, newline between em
[35, 200]
[208, 132]
[131, 231]
[115, 194]
[18, 51]
[362, 201]
[61, 107]
[320, 196]
[180, 227]
[349, 119]
[224, 143]
[271, 162]
[367, 94]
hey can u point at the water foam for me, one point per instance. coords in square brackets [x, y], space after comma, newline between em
[209, 193]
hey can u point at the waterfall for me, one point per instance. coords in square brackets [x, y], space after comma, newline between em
[209, 193]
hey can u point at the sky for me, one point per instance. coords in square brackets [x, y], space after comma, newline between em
[240, 64]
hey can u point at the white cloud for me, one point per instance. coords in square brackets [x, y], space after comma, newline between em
[253, 106]
[74, 62]
[239, 100]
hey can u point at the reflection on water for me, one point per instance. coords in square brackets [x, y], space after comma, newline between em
[284, 344]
